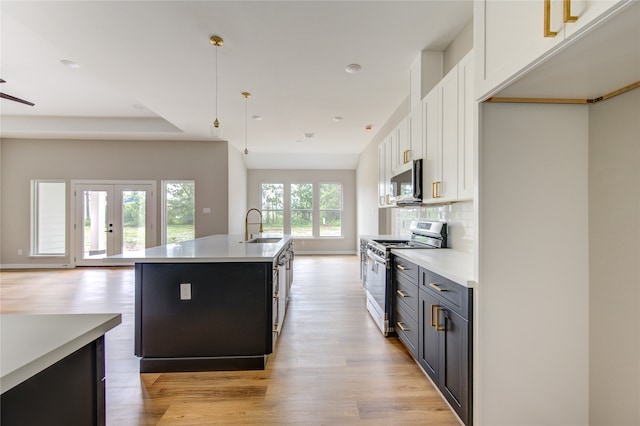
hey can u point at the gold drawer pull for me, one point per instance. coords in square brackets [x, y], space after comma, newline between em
[438, 328]
[566, 15]
[433, 323]
[402, 293]
[402, 327]
[436, 287]
[402, 268]
[547, 20]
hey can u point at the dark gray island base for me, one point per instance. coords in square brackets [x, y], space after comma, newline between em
[204, 316]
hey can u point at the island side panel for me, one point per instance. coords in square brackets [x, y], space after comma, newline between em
[228, 313]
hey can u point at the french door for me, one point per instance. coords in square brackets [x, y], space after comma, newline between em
[112, 218]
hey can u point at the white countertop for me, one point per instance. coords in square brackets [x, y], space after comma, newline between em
[214, 248]
[31, 343]
[452, 264]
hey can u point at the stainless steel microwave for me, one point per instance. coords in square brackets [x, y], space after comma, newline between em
[407, 186]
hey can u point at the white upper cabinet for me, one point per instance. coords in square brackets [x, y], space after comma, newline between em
[467, 119]
[440, 174]
[401, 146]
[384, 172]
[512, 37]
[450, 117]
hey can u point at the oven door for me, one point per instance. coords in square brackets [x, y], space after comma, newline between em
[376, 291]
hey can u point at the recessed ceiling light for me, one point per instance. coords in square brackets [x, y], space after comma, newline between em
[353, 68]
[368, 127]
[70, 64]
[257, 117]
[138, 106]
[309, 135]
[298, 140]
[336, 119]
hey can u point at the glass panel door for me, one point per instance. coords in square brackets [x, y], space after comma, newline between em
[112, 219]
[134, 221]
[96, 230]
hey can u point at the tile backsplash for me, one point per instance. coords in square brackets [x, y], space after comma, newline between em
[459, 218]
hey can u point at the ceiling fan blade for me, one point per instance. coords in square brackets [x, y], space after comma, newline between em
[13, 98]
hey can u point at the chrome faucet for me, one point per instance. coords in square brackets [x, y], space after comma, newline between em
[247, 223]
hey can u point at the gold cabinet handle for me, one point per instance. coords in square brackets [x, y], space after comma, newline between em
[547, 20]
[438, 328]
[566, 14]
[433, 323]
[388, 202]
[402, 293]
[436, 287]
[402, 327]
[402, 268]
[438, 189]
[433, 190]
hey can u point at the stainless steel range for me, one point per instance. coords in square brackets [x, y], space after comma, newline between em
[379, 281]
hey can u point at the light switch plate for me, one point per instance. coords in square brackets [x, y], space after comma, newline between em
[185, 291]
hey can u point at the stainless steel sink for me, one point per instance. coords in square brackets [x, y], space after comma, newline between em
[264, 240]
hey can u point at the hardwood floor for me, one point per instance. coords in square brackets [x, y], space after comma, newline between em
[331, 364]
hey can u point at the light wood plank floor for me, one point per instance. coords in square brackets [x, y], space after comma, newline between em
[331, 365]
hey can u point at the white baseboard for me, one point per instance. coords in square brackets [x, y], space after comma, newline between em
[36, 266]
[309, 253]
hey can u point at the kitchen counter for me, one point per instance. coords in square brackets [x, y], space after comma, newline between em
[31, 343]
[213, 303]
[214, 248]
[452, 264]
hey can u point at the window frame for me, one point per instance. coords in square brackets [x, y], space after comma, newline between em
[35, 250]
[320, 209]
[163, 214]
[311, 210]
[284, 203]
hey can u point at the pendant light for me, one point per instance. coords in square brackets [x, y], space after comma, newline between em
[216, 129]
[246, 95]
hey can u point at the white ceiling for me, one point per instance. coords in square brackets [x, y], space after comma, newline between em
[290, 55]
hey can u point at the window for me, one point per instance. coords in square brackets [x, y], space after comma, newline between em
[178, 211]
[330, 210]
[272, 203]
[48, 218]
[302, 209]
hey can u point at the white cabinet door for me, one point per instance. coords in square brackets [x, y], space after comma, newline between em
[446, 189]
[467, 117]
[381, 173]
[432, 163]
[415, 132]
[401, 150]
[384, 173]
[509, 36]
[587, 12]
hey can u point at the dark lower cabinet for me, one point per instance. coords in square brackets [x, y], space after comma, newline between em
[69, 392]
[203, 316]
[445, 340]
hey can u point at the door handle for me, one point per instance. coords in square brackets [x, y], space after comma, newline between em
[110, 230]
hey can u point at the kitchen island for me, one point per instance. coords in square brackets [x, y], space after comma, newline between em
[52, 368]
[213, 303]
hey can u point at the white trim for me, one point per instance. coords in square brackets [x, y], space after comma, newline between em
[310, 253]
[37, 266]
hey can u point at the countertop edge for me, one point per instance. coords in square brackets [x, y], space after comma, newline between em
[35, 366]
[428, 259]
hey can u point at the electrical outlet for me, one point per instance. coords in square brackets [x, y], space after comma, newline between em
[19, 252]
[185, 291]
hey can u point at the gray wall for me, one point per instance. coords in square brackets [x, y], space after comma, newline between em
[614, 256]
[346, 244]
[26, 159]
